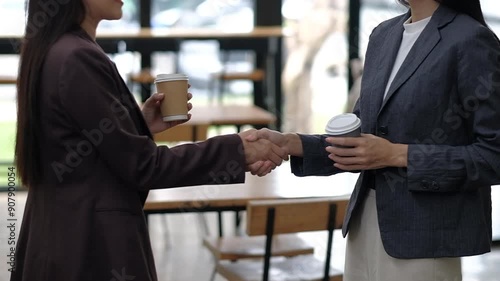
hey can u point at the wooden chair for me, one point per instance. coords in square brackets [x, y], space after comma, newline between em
[229, 52]
[222, 78]
[274, 217]
[244, 247]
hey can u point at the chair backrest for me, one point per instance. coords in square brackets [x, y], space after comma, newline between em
[295, 215]
[272, 217]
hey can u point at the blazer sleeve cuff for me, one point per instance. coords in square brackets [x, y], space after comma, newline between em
[233, 171]
[315, 161]
[430, 174]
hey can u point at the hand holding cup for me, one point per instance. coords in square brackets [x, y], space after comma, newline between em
[352, 151]
[151, 111]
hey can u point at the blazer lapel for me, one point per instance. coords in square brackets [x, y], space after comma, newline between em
[424, 45]
[129, 102]
[386, 58]
[126, 96]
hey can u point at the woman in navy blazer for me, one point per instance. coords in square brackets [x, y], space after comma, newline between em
[85, 151]
[430, 148]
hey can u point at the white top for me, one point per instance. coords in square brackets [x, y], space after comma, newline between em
[410, 36]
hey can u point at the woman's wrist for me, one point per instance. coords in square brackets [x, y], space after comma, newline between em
[294, 144]
[400, 155]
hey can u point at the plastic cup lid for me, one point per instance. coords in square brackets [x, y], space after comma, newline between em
[170, 77]
[342, 124]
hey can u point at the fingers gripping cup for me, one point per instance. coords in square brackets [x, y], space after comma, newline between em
[175, 89]
[344, 125]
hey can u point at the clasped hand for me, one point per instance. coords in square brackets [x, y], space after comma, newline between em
[153, 117]
[264, 150]
[289, 144]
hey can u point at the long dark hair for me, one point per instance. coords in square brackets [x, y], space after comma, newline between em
[47, 21]
[469, 7]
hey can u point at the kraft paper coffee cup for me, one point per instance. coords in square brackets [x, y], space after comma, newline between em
[344, 125]
[175, 89]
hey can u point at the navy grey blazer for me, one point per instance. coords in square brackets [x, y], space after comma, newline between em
[445, 104]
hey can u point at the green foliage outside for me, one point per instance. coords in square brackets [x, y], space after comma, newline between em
[7, 140]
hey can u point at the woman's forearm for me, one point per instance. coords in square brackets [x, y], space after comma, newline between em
[294, 144]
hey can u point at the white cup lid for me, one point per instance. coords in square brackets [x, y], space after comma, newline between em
[170, 77]
[342, 124]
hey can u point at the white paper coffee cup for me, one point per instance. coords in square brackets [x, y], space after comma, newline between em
[344, 125]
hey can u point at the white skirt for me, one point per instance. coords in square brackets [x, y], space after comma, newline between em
[366, 259]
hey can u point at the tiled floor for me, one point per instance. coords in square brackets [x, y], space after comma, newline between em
[181, 257]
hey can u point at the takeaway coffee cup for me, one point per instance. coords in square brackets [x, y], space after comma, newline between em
[344, 125]
[175, 89]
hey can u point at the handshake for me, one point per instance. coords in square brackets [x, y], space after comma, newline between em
[266, 149]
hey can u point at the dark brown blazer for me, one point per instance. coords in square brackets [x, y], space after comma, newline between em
[85, 221]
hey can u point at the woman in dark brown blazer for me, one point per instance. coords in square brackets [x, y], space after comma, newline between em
[85, 151]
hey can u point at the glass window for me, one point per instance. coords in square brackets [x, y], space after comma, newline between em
[491, 10]
[219, 14]
[129, 20]
[12, 19]
[11, 23]
[315, 67]
[373, 12]
[201, 60]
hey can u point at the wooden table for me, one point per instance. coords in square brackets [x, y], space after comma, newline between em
[7, 80]
[280, 184]
[218, 115]
[191, 33]
[265, 42]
